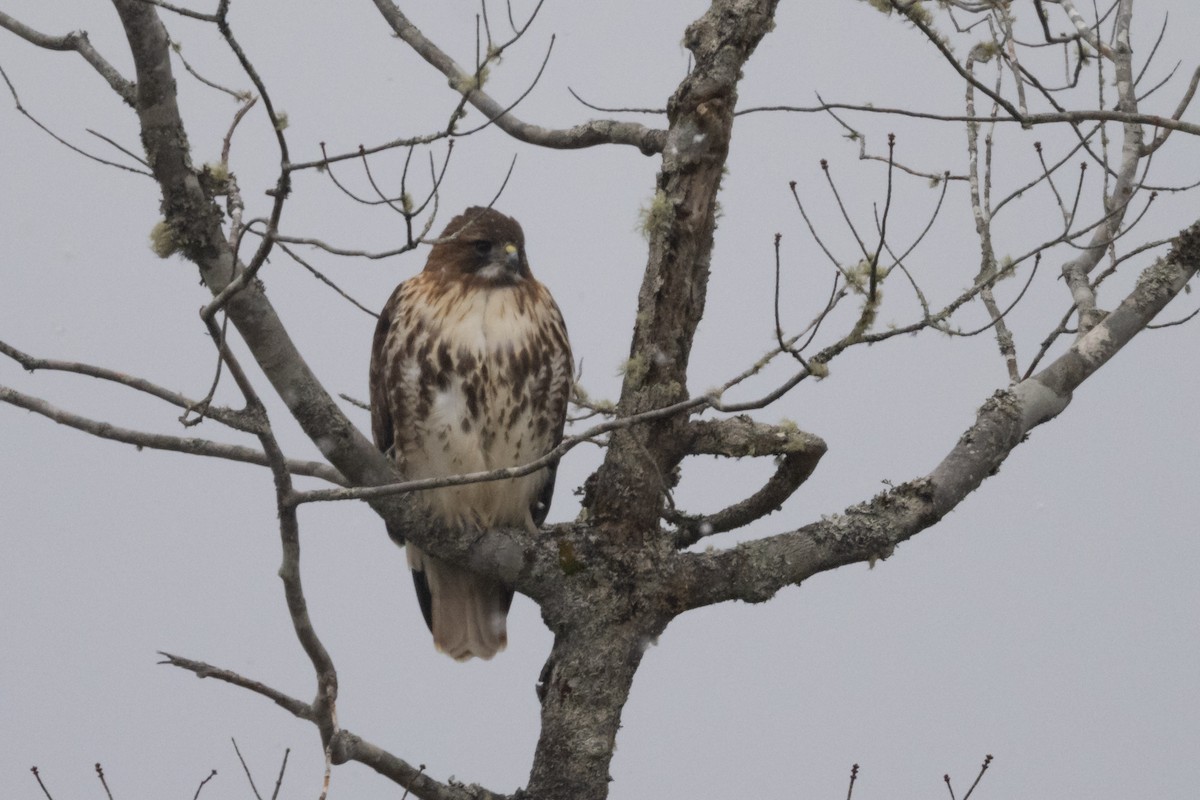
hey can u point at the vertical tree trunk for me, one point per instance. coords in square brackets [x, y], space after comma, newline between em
[589, 674]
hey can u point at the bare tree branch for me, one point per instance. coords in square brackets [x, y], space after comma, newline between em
[238, 420]
[649, 141]
[78, 42]
[345, 746]
[159, 441]
[1024, 120]
[29, 116]
[293, 706]
[798, 455]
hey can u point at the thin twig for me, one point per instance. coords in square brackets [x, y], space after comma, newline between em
[25, 113]
[615, 110]
[226, 416]
[355, 402]
[199, 788]
[118, 146]
[103, 782]
[853, 778]
[236, 95]
[987, 761]
[245, 769]
[38, 776]
[282, 769]
[883, 222]
[183, 12]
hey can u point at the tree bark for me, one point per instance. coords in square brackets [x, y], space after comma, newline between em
[679, 223]
[587, 682]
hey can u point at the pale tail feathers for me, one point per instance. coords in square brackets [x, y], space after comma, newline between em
[465, 611]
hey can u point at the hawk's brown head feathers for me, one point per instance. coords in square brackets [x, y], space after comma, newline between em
[481, 246]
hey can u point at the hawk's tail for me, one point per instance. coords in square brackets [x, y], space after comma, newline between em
[466, 612]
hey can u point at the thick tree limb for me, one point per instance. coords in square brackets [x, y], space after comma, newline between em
[755, 571]
[601, 624]
[679, 224]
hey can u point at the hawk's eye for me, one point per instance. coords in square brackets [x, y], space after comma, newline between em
[483, 248]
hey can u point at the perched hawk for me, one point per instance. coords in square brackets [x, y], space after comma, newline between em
[470, 371]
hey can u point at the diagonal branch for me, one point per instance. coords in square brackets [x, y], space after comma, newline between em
[589, 134]
[160, 441]
[77, 41]
[290, 704]
[237, 420]
[346, 746]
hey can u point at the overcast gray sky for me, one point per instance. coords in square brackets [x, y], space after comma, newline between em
[1050, 621]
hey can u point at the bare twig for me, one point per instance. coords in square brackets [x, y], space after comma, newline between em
[38, 776]
[240, 96]
[594, 107]
[316, 273]
[346, 745]
[200, 788]
[355, 402]
[1173, 323]
[589, 134]
[237, 118]
[181, 11]
[293, 706]
[246, 769]
[103, 781]
[200, 409]
[853, 778]
[883, 220]
[282, 769]
[987, 761]
[25, 113]
[118, 146]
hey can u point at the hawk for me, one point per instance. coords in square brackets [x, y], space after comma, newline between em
[470, 371]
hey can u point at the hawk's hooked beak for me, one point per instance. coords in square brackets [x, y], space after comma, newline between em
[512, 257]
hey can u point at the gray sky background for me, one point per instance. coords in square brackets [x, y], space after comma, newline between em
[1050, 620]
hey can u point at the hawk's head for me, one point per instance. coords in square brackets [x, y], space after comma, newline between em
[481, 245]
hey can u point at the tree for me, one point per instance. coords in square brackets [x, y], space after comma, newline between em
[608, 583]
